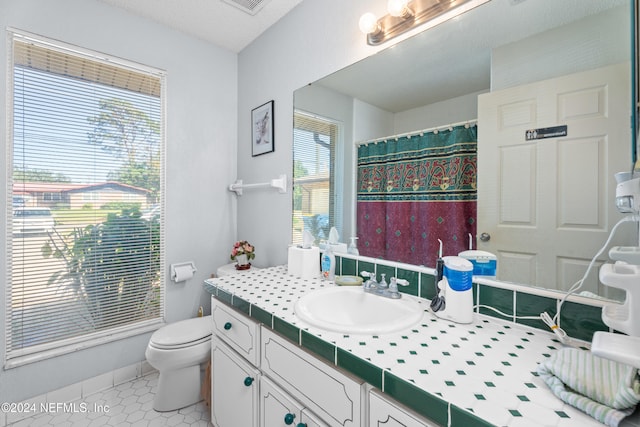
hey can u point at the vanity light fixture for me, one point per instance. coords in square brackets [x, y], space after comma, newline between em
[404, 15]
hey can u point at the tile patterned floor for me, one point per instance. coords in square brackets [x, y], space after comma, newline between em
[126, 405]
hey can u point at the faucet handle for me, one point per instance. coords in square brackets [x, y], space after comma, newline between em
[393, 286]
[368, 275]
[371, 279]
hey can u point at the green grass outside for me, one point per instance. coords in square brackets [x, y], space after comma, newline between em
[81, 216]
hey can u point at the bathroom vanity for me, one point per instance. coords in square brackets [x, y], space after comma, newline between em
[271, 369]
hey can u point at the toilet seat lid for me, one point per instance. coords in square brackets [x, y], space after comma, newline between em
[183, 332]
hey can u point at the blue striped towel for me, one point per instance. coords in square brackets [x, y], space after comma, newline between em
[606, 390]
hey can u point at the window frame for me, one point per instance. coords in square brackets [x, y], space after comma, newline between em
[336, 172]
[18, 357]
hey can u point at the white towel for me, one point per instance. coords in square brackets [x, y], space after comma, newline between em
[606, 390]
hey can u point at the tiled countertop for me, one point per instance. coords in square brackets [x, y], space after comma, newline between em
[483, 373]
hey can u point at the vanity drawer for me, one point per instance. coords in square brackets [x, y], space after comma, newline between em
[335, 397]
[237, 330]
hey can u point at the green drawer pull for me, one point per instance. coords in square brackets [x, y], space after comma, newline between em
[248, 381]
[288, 419]
[227, 326]
[301, 425]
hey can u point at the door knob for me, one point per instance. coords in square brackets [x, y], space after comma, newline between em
[485, 237]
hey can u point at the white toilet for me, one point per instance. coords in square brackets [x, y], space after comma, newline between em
[177, 351]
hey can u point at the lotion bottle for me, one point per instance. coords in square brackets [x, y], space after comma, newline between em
[328, 263]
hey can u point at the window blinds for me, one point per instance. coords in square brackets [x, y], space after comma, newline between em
[316, 206]
[84, 223]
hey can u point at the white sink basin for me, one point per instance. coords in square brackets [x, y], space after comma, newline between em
[351, 310]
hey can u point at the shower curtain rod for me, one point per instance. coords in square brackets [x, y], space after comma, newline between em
[417, 132]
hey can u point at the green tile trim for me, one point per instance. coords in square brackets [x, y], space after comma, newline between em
[318, 346]
[532, 305]
[338, 270]
[241, 305]
[286, 329]
[501, 299]
[581, 321]
[224, 296]
[262, 315]
[427, 286]
[424, 403]
[462, 418]
[349, 267]
[366, 266]
[359, 367]
[412, 278]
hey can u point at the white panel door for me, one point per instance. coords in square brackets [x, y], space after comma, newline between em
[548, 204]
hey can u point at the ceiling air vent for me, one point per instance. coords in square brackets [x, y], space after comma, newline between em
[249, 6]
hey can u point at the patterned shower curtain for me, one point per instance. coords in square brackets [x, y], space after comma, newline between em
[414, 190]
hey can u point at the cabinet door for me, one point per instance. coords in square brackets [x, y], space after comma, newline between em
[234, 388]
[310, 420]
[276, 408]
[383, 413]
[331, 394]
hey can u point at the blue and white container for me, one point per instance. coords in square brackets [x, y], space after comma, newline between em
[484, 263]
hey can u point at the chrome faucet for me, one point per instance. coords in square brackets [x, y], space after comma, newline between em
[381, 288]
[382, 284]
[370, 283]
[393, 287]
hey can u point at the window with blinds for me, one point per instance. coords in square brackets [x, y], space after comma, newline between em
[316, 205]
[84, 223]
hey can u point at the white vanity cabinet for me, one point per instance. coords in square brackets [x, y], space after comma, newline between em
[386, 413]
[260, 379]
[335, 397]
[234, 389]
[278, 409]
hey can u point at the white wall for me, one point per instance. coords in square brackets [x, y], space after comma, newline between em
[591, 43]
[316, 38]
[201, 151]
[456, 110]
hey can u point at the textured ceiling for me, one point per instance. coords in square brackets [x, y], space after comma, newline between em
[211, 20]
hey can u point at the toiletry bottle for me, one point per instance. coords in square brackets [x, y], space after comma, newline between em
[328, 264]
[353, 248]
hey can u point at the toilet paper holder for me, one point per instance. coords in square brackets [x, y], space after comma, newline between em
[182, 271]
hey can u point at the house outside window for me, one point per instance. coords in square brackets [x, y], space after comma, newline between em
[82, 126]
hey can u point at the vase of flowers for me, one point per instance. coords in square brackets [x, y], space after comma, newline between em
[242, 253]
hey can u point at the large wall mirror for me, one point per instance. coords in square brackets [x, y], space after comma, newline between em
[545, 205]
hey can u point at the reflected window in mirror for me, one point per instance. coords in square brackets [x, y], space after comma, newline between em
[316, 173]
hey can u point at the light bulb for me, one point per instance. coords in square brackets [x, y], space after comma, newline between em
[397, 7]
[368, 23]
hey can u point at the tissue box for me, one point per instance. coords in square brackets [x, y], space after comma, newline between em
[304, 263]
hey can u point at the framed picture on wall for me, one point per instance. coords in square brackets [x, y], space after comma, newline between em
[262, 129]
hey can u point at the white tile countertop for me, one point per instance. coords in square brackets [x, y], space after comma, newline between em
[487, 368]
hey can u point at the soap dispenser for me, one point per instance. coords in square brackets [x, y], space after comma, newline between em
[353, 247]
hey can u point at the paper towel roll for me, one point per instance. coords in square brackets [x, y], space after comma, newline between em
[180, 273]
[304, 263]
